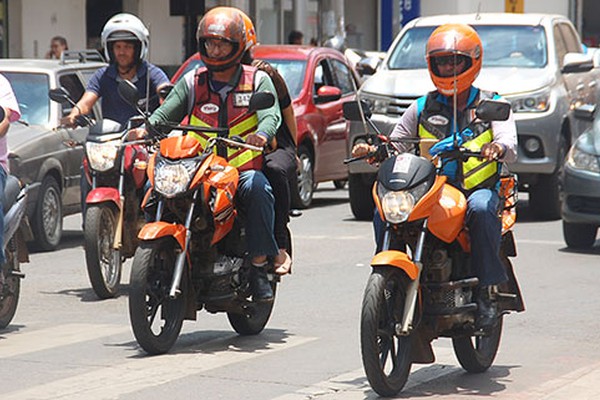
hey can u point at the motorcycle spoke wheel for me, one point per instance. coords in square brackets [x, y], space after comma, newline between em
[386, 356]
[103, 262]
[156, 319]
[256, 317]
[10, 288]
[477, 353]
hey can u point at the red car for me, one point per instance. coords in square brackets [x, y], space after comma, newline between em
[320, 80]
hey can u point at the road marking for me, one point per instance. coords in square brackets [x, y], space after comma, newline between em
[113, 381]
[353, 385]
[61, 335]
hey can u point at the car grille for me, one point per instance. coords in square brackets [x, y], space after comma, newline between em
[583, 204]
[398, 106]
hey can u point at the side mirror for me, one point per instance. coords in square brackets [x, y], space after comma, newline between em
[577, 62]
[368, 65]
[352, 110]
[129, 93]
[2, 114]
[164, 91]
[585, 112]
[325, 94]
[492, 110]
[60, 95]
[261, 101]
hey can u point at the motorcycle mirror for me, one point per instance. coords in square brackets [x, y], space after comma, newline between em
[352, 110]
[261, 101]
[164, 91]
[60, 95]
[492, 110]
[2, 114]
[128, 92]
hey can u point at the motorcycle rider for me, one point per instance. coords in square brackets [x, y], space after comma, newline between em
[215, 96]
[9, 103]
[280, 164]
[454, 55]
[125, 40]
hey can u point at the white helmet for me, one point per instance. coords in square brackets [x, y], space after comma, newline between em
[125, 27]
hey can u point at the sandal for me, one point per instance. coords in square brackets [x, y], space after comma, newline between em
[284, 267]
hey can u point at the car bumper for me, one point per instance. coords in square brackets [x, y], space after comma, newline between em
[581, 202]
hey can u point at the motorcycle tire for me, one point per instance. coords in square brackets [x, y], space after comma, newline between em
[386, 356]
[155, 318]
[477, 353]
[256, 317]
[10, 290]
[103, 263]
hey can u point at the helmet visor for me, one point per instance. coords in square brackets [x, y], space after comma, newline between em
[444, 65]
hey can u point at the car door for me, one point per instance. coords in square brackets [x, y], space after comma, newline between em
[332, 144]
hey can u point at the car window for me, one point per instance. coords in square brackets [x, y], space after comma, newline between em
[31, 91]
[503, 46]
[342, 76]
[560, 45]
[75, 88]
[292, 72]
[323, 76]
[87, 74]
[571, 39]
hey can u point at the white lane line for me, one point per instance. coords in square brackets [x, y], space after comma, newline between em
[111, 382]
[353, 385]
[38, 340]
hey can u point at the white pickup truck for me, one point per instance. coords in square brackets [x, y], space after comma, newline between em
[535, 61]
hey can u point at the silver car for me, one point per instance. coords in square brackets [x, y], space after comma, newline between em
[40, 153]
[535, 61]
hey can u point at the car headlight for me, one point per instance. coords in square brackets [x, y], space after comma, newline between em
[102, 156]
[171, 179]
[530, 102]
[378, 104]
[579, 159]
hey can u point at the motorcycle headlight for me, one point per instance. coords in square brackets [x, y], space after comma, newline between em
[378, 104]
[580, 160]
[397, 205]
[171, 179]
[530, 102]
[102, 156]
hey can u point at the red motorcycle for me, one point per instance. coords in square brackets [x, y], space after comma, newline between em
[116, 171]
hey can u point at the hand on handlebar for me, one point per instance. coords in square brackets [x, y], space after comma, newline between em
[256, 140]
[362, 149]
[492, 151]
[136, 134]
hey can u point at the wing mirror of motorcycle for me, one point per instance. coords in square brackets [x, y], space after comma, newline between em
[261, 101]
[492, 110]
[164, 91]
[61, 95]
[2, 114]
[130, 94]
[352, 110]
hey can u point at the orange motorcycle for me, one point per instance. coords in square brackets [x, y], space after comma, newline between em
[192, 255]
[422, 286]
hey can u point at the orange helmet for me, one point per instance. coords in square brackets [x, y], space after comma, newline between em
[251, 39]
[461, 42]
[222, 23]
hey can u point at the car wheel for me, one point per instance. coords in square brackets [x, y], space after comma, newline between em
[302, 194]
[579, 236]
[48, 218]
[545, 195]
[361, 200]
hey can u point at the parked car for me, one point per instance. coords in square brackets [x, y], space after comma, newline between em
[40, 153]
[581, 185]
[535, 61]
[320, 80]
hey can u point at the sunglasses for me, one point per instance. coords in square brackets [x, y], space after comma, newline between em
[448, 60]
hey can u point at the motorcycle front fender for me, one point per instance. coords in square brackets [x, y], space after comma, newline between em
[160, 229]
[104, 194]
[396, 259]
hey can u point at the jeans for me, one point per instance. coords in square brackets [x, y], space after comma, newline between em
[2, 186]
[255, 197]
[485, 231]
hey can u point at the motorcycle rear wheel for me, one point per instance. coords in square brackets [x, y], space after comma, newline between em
[102, 260]
[386, 356]
[477, 353]
[10, 290]
[256, 317]
[156, 319]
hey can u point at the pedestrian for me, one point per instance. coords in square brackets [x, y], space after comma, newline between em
[217, 95]
[295, 37]
[454, 56]
[58, 44]
[10, 106]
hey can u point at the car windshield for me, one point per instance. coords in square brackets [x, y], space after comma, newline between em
[503, 46]
[31, 91]
[292, 72]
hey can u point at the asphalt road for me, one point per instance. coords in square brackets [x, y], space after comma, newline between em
[66, 344]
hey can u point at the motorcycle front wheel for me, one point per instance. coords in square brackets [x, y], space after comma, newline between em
[386, 356]
[102, 260]
[156, 319]
[10, 288]
[477, 353]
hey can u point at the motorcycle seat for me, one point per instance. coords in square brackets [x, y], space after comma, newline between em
[11, 191]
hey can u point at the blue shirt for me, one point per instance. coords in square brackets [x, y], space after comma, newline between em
[104, 83]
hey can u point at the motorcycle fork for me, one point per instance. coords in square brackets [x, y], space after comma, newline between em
[180, 261]
[117, 242]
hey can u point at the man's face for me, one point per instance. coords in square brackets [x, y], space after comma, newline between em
[217, 49]
[124, 53]
[450, 65]
[57, 48]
